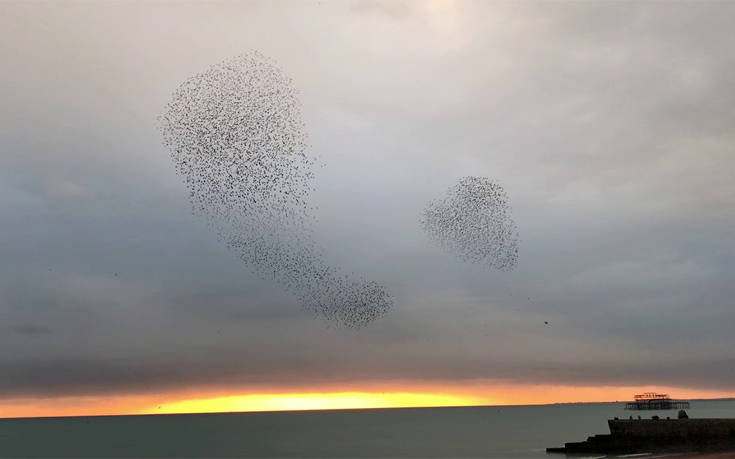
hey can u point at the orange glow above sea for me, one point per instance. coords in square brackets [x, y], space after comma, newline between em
[352, 398]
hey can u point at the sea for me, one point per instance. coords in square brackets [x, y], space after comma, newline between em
[460, 432]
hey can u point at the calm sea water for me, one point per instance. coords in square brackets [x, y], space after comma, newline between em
[495, 432]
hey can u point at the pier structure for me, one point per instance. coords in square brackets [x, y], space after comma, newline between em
[654, 401]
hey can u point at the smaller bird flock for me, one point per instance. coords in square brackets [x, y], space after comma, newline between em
[237, 138]
[473, 221]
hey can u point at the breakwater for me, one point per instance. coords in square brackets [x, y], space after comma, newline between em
[657, 435]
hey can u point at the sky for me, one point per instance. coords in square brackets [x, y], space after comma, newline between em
[608, 124]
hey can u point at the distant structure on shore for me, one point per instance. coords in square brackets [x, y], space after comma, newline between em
[654, 401]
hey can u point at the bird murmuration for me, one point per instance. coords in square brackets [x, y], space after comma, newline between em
[237, 137]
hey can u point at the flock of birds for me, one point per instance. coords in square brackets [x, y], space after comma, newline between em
[473, 221]
[237, 138]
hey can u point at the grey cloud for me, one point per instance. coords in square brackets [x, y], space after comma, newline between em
[606, 123]
[30, 329]
[67, 193]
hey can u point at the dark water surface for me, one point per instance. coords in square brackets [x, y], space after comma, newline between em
[496, 432]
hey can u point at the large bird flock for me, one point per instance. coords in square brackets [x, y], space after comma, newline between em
[474, 222]
[237, 138]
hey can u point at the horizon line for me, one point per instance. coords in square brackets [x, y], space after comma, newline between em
[307, 410]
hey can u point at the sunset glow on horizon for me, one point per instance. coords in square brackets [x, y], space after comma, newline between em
[405, 397]
[316, 401]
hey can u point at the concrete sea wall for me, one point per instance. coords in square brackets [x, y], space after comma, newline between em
[685, 429]
[658, 435]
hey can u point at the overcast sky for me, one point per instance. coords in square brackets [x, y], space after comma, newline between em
[609, 124]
